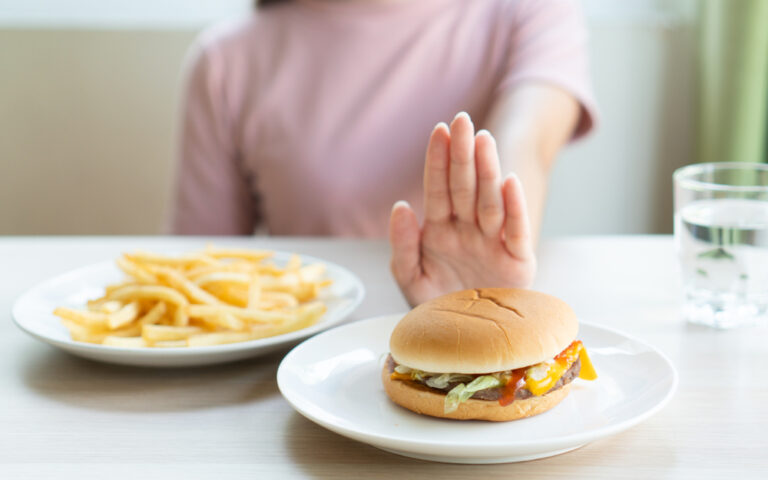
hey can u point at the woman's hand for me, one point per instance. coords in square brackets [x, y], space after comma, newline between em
[476, 231]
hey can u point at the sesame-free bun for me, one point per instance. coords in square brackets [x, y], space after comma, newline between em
[483, 330]
[426, 401]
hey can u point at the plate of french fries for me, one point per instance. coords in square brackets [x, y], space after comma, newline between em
[204, 307]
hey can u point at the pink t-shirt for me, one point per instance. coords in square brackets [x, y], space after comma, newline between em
[312, 117]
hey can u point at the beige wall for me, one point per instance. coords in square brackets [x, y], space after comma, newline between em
[87, 130]
[87, 124]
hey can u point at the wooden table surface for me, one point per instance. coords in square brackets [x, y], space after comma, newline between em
[63, 417]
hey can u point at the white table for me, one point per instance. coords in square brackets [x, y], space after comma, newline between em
[63, 417]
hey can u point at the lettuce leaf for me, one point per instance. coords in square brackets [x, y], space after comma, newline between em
[444, 379]
[434, 380]
[461, 393]
[415, 374]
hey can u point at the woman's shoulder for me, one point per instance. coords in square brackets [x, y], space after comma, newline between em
[229, 35]
[231, 47]
[248, 32]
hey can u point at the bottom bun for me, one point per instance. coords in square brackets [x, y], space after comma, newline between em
[425, 401]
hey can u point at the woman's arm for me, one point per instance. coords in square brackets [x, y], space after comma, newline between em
[212, 194]
[531, 123]
[480, 227]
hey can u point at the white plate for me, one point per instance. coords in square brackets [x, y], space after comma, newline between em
[32, 312]
[334, 379]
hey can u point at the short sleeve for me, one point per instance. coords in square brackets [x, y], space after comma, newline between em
[549, 44]
[212, 195]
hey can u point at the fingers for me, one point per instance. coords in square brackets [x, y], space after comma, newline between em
[462, 179]
[437, 198]
[517, 234]
[490, 206]
[404, 237]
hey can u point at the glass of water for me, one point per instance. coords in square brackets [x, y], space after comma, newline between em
[721, 233]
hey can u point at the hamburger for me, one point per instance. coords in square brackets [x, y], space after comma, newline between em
[494, 354]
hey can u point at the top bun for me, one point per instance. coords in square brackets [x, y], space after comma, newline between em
[483, 330]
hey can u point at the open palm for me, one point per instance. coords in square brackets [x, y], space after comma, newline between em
[476, 231]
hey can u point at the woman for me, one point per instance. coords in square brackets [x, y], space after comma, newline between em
[311, 117]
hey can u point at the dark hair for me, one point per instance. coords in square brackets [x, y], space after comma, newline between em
[266, 3]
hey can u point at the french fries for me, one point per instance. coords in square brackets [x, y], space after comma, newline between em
[210, 297]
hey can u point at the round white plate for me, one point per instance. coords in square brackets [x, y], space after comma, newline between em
[334, 379]
[32, 312]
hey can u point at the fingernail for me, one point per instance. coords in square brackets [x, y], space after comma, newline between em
[439, 125]
[484, 132]
[400, 203]
[462, 114]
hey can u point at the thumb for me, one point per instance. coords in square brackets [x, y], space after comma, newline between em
[405, 239]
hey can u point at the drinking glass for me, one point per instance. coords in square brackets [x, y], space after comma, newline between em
[721, 235]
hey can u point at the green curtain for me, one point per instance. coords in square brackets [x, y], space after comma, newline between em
[733, 81]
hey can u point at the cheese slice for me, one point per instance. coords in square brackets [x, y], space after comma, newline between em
[541, 377]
